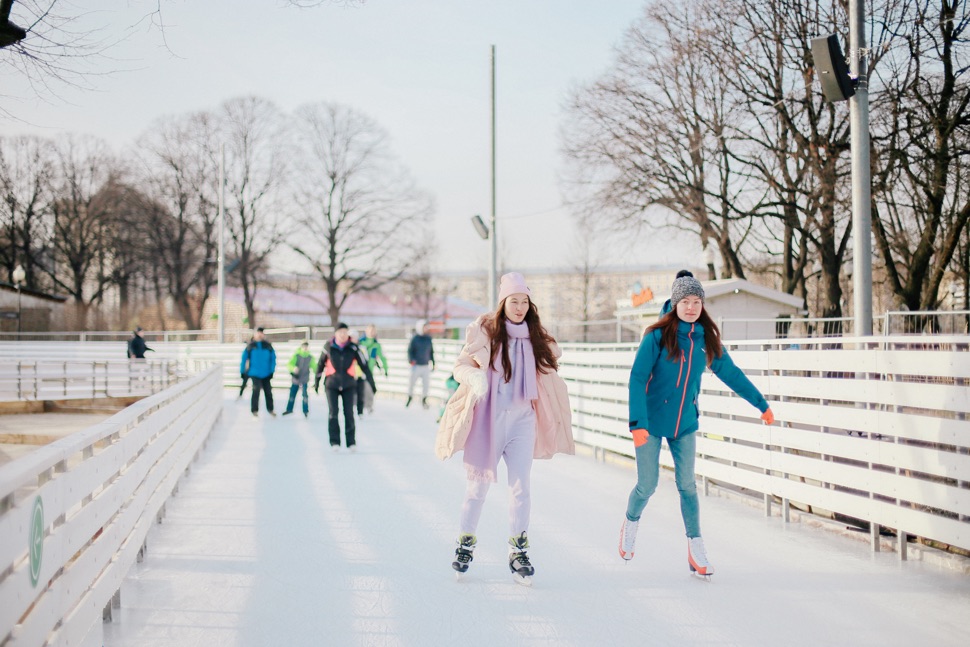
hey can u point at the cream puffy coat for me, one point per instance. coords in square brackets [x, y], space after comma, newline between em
[554, 432]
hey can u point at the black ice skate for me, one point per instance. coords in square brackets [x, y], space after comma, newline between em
[463, 554]
[519, 564]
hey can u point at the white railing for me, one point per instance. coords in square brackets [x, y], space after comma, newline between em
[70, 379]
[232, 335]
[872, 429]
[74, 514]
[937, 322]
[789, 327]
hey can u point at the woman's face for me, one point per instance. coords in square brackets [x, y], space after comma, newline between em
[342, 336]
[689, 308]
[516, 307]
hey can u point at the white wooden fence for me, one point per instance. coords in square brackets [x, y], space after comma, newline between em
[873, 430]
[74, 514]
[71, 379]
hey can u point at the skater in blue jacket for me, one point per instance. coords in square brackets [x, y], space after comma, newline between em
[664, 385]
[259, 363]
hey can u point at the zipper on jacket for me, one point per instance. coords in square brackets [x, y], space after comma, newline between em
[681, 371]
[690, 360]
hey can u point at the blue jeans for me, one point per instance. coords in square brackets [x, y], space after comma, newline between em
[293, 390]
[682, 449]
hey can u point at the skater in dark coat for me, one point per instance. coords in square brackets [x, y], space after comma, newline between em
[137, 345]
[664, 384]
[337, 367]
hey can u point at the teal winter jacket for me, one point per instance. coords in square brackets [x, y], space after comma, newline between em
[663, 392]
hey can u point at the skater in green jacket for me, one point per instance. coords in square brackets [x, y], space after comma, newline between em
[375, 360]
[301, 365]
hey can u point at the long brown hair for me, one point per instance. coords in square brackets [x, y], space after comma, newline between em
[541, 340]
[667, 325]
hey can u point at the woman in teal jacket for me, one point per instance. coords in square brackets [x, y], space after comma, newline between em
[664, 384]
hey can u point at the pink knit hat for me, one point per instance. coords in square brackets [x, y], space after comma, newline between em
[512, 283]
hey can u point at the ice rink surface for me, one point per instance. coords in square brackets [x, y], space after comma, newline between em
[275, 540]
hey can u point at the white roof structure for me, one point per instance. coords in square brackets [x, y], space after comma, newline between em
[743, 310]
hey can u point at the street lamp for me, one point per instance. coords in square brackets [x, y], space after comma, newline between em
[486, 233]
[18, 278]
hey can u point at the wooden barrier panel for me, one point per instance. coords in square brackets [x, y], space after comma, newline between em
[75, 513]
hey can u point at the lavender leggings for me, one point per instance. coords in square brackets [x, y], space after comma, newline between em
[518, 429]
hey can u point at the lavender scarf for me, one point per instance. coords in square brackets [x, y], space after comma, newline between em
[482, 449]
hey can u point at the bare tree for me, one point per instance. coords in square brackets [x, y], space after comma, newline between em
[252, 131]
[653, 148]
[60, 46]
[179, 177]
[26, 174]
[921, 188]
[83, 222]
[796, 145]
[361, 221]
[588, 251]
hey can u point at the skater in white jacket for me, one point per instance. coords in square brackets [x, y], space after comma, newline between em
[511, 404]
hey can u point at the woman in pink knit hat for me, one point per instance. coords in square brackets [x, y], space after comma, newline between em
[511, 404]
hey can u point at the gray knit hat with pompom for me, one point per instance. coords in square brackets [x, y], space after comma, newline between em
[685, 285]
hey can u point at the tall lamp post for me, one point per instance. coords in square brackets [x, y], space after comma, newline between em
[18, 278]
[485, 233]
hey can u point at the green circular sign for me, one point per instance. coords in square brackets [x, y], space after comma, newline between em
[36, 540]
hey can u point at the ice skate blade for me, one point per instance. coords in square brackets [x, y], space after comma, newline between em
[524, 580]
[699, 576]
[460, 576]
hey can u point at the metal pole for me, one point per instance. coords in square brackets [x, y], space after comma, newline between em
[861, 182]
[222, 244]
[20, 313]
[492, 264]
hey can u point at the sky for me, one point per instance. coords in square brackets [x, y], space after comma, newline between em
[274, 539]
[420, 68]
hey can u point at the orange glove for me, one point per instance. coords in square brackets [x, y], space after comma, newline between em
[768, 417]
[640, 437]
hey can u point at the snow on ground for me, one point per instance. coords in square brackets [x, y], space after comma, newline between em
[275, 540]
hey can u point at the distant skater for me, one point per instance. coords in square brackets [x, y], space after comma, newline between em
[300, 366]
[259, 363]
[137, 345]
[421, 358]
[375, 361]
[337, 366]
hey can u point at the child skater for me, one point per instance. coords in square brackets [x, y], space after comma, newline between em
[664, 384]
[511, 404]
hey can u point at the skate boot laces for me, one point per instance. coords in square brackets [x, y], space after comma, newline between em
[518, 559]
[463, 553]
[466, 544]
[628, 538]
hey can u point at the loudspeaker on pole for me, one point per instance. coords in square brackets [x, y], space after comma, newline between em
[832, 70]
